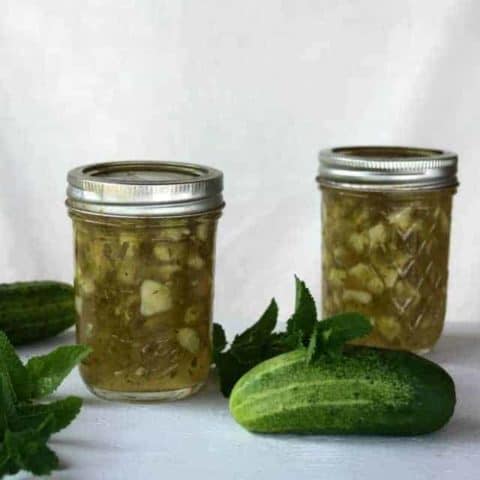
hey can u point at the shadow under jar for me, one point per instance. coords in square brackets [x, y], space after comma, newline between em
[144, 236]
[385, 239]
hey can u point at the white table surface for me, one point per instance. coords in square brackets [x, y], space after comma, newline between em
[197, 438]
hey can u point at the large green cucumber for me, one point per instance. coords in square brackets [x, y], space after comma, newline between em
[363, 391]
[32, 311]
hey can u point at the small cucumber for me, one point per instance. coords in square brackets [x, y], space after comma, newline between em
[363, 391]
[32, 311]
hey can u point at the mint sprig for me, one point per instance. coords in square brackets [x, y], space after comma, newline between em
[302, 322]
[254, 345]
[25, 424]
[331, 334]
[12, 367]
[259, 342]
[27, 450]
[47, 372]
[61, 412]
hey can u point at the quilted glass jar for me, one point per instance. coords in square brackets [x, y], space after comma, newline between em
[386, 214]
[144, 236]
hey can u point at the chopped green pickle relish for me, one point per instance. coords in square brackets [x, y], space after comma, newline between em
[143, 295]
[386, 255]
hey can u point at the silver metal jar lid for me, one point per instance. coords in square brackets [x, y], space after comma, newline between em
[383, 168]
[144, 188]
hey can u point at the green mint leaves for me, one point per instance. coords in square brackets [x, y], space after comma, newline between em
[27, 450]
[48, 371]
[61, 413]
[26, 426]
[260, 342]
[330, 335]
[258, 333]
[254, 345]
[219, 338]
[302, 322]
[13, 370]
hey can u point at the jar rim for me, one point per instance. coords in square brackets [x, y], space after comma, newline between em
[144, 188]
[387, 167]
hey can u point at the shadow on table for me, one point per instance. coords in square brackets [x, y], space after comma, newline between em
[209, 397]
[76, 442]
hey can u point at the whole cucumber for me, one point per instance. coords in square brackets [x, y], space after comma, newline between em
[363, 391]
[31, 311]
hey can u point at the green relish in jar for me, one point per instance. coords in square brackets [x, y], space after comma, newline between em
[386, 215]
[144, 237]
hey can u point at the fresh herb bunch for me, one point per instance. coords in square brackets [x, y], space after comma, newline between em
[25, 424]
[260, 342]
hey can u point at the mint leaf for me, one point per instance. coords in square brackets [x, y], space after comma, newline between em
[7, 400]
[61, 412]
[330, 335]
[260, 330]
[252, 345]
[6, 466]
[48, 371]
[219, 339]
[281, 342]
[25, 427]
[313, 347]
[229, 370]
[300, 325]
[19, 377]
[342, 328]
[27, 450]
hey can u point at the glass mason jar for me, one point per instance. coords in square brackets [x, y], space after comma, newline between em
[144, 237]
[385, 227]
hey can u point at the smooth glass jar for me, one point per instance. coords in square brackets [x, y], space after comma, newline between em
[144, 236]
[386, 215]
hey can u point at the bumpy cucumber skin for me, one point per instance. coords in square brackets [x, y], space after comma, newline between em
[365, 391]
[31, 311]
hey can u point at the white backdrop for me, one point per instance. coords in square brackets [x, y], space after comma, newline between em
[252, 87]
